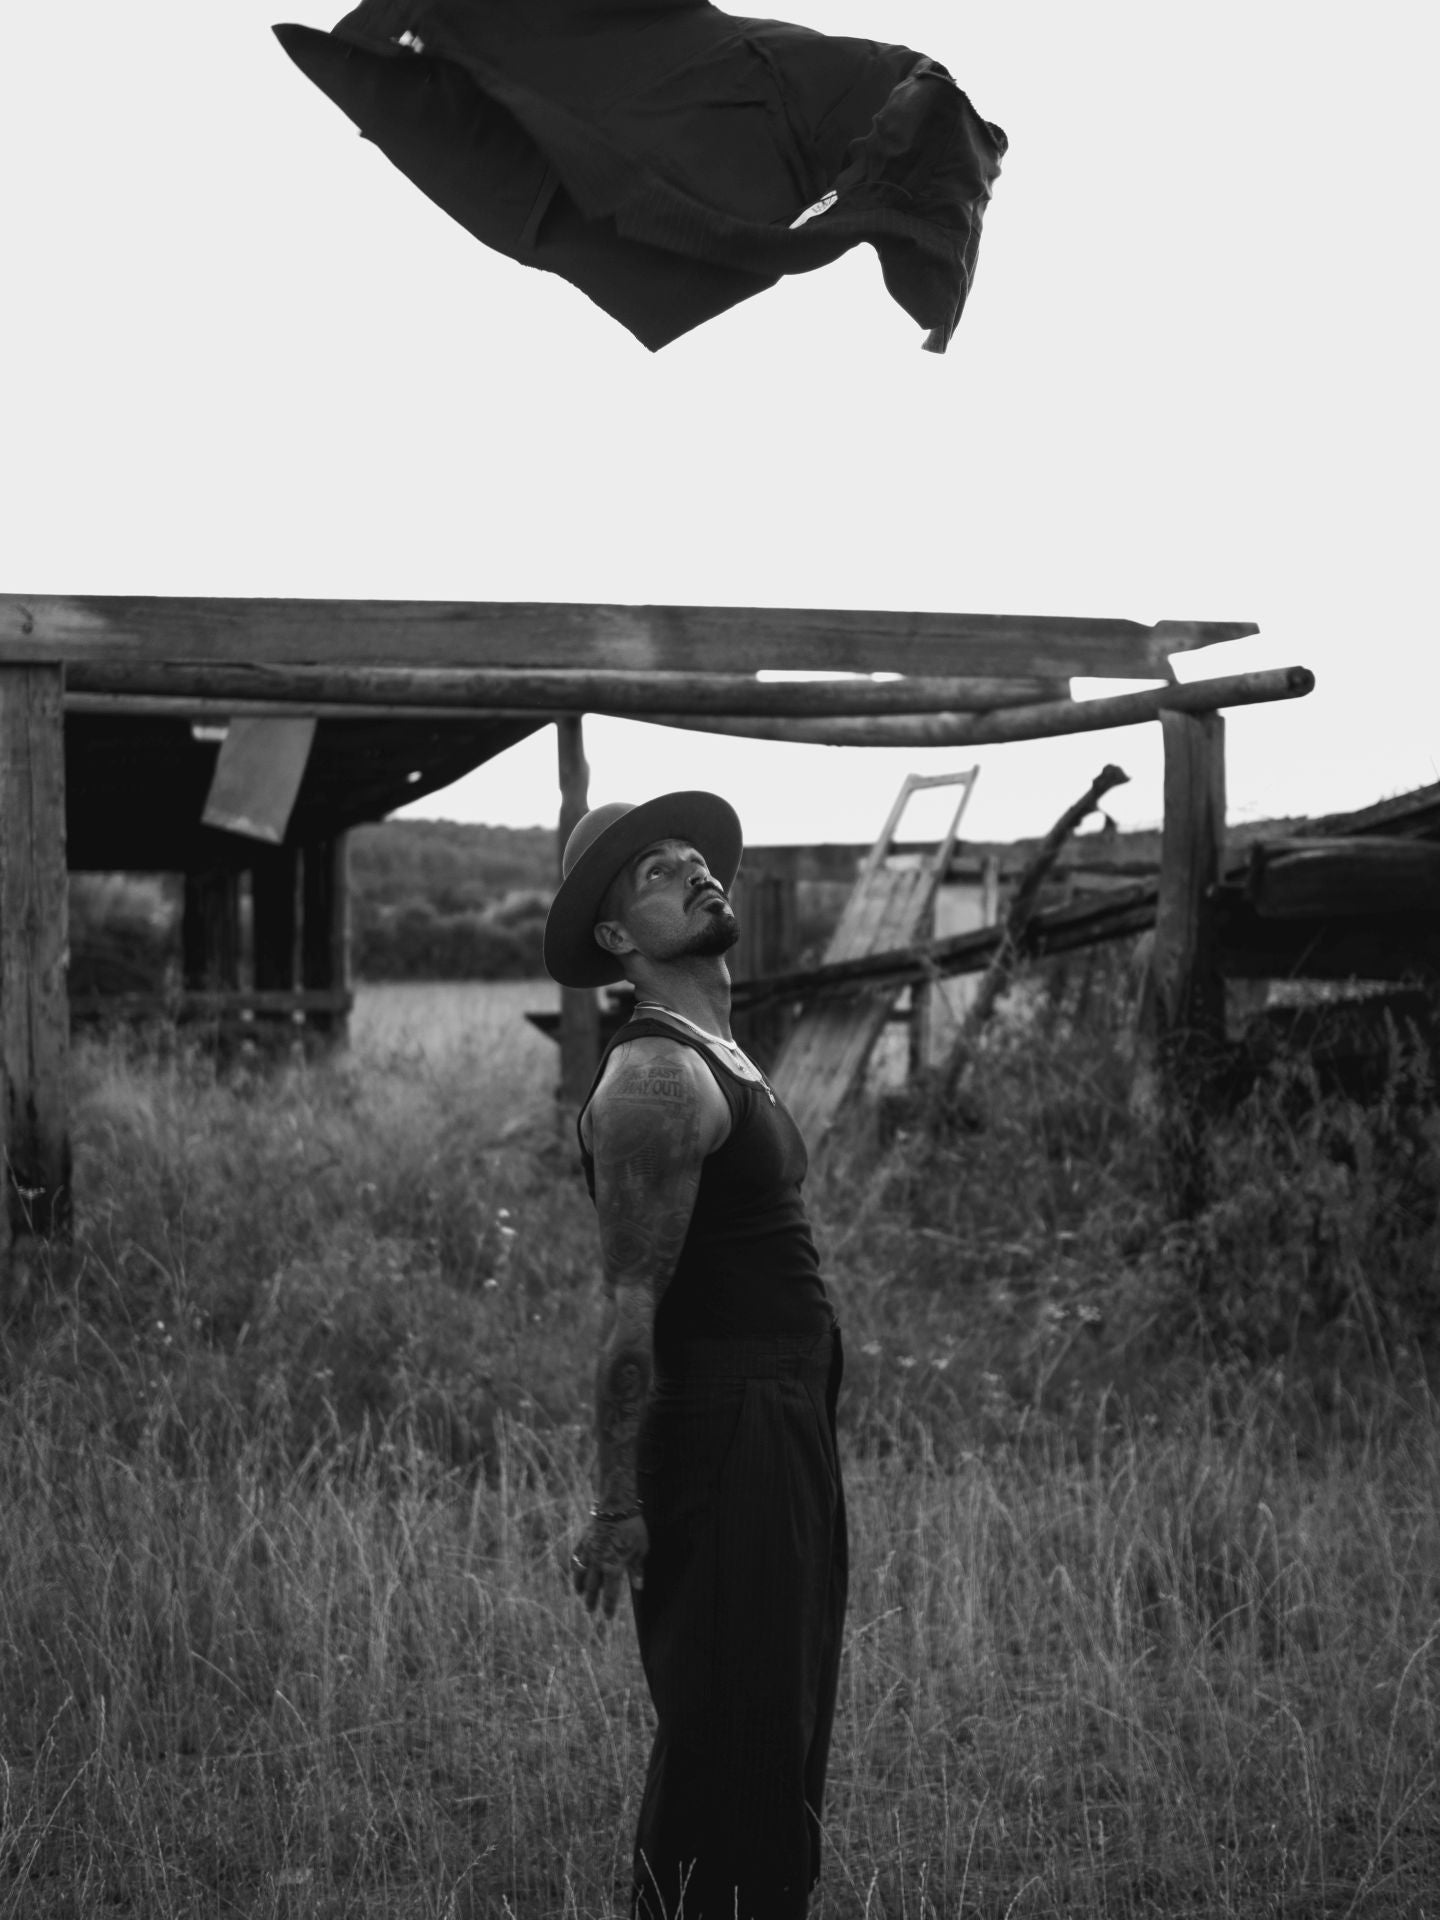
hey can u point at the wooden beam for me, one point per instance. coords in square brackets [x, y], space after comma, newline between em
[579, 1008]
[275, 906]
[207, 1005]
[1370, 946]
[552, 691]
[1298, 878]
[34, 1017]
[210, 930]
[1043, 722]
[458, 633]
[325, 929]
[1183, 1010]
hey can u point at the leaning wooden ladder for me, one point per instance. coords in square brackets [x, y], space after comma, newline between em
[829, 1045]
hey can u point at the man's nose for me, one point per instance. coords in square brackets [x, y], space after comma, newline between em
[699, 875]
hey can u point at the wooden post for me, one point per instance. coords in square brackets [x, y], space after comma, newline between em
[325, 929]
[579, 1009]
[34, 1009]
[275, 926]
[210, 930]
[275, 896]
[1187, 1001]
[765, 906]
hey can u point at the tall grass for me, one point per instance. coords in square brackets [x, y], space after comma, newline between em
[1146, 1583]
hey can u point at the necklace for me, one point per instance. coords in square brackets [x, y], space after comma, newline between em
[747, 1066]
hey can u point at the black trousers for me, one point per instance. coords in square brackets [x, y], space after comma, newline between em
[739, 1622]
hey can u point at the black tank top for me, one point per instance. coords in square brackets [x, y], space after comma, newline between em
[748, 1269]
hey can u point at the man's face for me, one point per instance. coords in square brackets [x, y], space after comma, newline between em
[668, 904]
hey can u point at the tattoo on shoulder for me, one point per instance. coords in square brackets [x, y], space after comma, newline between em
[651, 1080]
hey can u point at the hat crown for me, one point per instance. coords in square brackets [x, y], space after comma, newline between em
[588, 829]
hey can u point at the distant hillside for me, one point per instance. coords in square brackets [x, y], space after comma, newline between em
[442, 900]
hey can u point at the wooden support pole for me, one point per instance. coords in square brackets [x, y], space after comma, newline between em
[274, 893]
[34, 1014]
[325, 929]
[555, 691]
[1186, 1001]
[579, 1009]
[766, 907]
[1046, 721]
[210, 930]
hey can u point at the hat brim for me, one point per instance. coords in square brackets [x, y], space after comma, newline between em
[710, 824]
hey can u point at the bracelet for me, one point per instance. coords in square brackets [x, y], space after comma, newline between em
[604, 1513]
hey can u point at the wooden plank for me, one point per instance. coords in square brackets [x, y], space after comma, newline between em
[1379, 946]
[325, 928]
[449, 633]
[1188, 991]
[210, 930]
[1297, 879]
[767, 910]
[275, 905]
[827, 1051]
[579, 1007]
[830, 1047]
[1043, 722]
[257, 776]
[34, 1017]
[207, 1005]
[493, 692]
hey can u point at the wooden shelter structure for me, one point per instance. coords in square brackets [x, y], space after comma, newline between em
[111, 710]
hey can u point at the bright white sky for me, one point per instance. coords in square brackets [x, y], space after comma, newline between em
[1196, 380]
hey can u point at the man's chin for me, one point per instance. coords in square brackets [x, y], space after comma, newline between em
[718, 934]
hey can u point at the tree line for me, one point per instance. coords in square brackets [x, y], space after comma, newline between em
[429, 900]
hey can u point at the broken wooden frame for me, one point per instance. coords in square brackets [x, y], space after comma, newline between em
[974, 678]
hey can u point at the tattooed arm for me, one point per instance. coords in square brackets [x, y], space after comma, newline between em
[656, 1116]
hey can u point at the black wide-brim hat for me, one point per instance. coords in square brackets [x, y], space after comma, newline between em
[599, 847]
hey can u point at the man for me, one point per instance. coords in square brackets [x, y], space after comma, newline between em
[719, 1496]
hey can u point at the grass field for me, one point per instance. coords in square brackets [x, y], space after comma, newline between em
[1145, 1608]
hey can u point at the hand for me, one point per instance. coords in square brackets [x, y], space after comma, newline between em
[609, 1552]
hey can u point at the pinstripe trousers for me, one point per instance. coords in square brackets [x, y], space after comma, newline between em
[739, 1623]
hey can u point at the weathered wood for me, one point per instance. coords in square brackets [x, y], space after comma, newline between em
[1189, 1002]
[766, 910]
[1299, 878]
[579, 1008]
[325, 928]
[257, 776]
[210, 930]
[499, 691]
[1375, 946]
[1043, 722]
[275, 907]
[1021, 912]
[186, 1005]
[440, 633]
[827, 1051]
[34, 1018]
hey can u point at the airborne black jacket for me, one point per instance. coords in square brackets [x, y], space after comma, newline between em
[658, 153]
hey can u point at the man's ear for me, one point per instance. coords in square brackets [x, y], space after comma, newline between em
[610, 935]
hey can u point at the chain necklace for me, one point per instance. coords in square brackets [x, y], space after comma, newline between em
[746, 1067]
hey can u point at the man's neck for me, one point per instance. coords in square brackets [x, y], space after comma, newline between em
[698, 988]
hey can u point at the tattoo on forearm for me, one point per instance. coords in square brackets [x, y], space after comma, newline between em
[648, 1158]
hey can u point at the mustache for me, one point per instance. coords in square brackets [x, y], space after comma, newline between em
[708, 888]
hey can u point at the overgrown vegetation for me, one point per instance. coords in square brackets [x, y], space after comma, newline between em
[1146, 1544]
[442, 900]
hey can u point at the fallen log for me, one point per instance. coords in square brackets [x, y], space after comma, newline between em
[1044, 721]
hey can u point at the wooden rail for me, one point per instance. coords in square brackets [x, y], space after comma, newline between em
[527, 634]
